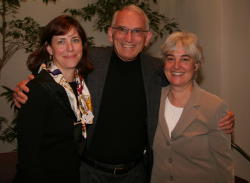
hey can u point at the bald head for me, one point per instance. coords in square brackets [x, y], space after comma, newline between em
[134, 9]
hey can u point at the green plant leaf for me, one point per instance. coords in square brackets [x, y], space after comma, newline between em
[9, 134]
[3, 120]
[47, 1]
[24, 33]
[102, 12]
[7, 94]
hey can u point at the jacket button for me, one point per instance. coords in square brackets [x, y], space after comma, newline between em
[171, 178]
[170, 160]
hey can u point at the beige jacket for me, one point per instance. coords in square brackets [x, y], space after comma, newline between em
[197, 152]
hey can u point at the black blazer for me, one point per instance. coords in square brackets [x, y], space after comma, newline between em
[46, 147]
[151, 68]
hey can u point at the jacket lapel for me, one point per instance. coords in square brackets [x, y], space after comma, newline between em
[152, 85]
[96, 81]
[56, 92]
[95, 86]
[189, 113]
[162, 120]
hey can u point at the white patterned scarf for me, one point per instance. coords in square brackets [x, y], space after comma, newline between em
[81, 105]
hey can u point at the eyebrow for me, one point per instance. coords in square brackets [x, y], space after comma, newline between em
[186, 55]
[168, 55]
[181, 55]
[73, 37]
[121, 26]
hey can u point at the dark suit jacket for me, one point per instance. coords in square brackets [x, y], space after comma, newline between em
[152, 82]
[46, 147]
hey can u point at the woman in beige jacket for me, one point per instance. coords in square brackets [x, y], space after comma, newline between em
[188, 146]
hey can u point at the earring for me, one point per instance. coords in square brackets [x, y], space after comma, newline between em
[50, 57]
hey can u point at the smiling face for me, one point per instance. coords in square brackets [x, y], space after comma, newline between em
[129, 45]
[180, 68]
[66, 50]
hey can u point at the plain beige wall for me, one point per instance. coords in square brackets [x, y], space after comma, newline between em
[235, 72]
[223, 27]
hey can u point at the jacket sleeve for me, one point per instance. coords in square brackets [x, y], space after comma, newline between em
[220, 147]
[30, 124]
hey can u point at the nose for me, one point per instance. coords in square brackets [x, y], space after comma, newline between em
[69, 46]
[176, 64]
[128, 36]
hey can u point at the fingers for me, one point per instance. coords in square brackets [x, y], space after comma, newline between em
[226, 124]
[227, 127]
[21, 86]
[30, 77]
[229, 131]
[228, 119]
[19, 97]
[17, 104]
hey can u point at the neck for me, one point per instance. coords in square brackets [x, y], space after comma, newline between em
[123, 59]
[179, 96]
[68, 74]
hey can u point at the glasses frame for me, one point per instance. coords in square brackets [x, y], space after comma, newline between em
[125, 30]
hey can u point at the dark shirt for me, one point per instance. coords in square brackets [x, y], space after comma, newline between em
[120, 134]
[73, 85]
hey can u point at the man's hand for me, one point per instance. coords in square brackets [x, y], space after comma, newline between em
[19, 96]
[226, 124]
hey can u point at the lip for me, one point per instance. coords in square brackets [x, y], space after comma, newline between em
[69, 56]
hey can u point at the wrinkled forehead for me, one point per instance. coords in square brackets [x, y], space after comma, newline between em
[130, 18]
[180, 47]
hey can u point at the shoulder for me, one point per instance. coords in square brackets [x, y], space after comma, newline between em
[210, 98]
[94, 50]
[100, 56]
[37, 84]
[44, 76]
[38, 97]
[99, 52]
[151, 63]
[154, 65]
[156, 62]
[211, 103]
[212, 107]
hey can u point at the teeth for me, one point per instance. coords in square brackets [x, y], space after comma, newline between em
[177, 73]
[128, 46]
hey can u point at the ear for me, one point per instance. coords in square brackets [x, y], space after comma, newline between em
[196, 66]
[148, 38]
[110, 34]
[49, 49]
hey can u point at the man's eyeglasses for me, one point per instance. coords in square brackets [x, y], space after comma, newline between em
[125, 30]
